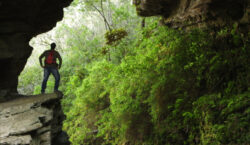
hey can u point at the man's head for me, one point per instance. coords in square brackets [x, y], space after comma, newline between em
[53, 46]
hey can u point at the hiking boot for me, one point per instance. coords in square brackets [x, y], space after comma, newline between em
[59, 93]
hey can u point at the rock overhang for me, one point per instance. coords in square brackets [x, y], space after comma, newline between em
[182, 13]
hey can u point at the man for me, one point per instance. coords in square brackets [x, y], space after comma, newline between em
[51, 66]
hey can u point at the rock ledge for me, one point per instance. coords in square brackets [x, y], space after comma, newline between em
[32, 120]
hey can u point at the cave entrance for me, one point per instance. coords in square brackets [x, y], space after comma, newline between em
[69, 36]
[79, 38]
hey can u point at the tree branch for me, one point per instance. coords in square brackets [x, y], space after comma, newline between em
[103, 16]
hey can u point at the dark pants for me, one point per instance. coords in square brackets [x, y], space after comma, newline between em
[47, 72]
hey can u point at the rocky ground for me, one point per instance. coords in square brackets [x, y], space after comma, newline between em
[32, 120]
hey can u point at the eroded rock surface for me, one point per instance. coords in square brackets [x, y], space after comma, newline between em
[20, 20]
[201, 13]
[33, 120]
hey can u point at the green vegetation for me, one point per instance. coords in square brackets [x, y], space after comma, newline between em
[154, 85]
[176, 88]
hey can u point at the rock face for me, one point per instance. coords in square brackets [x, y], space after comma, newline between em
[20, 20]
[183, 13]
[33, 120]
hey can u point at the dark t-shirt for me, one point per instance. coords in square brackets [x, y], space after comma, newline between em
[56, 56]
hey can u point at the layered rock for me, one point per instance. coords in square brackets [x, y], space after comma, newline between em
[34, 120]
[184, 13]
[20, 20]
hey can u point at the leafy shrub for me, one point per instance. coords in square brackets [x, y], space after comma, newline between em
[175, 88]
[115, 35]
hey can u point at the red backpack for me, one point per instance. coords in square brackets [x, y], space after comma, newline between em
[50, 58]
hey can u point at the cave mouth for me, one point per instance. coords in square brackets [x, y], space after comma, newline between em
[30, 79]
[20, 21]
[75, 23]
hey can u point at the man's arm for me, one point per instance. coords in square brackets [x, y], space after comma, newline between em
[60, 60]
[40, 59]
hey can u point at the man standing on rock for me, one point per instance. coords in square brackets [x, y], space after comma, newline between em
[51, 66]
